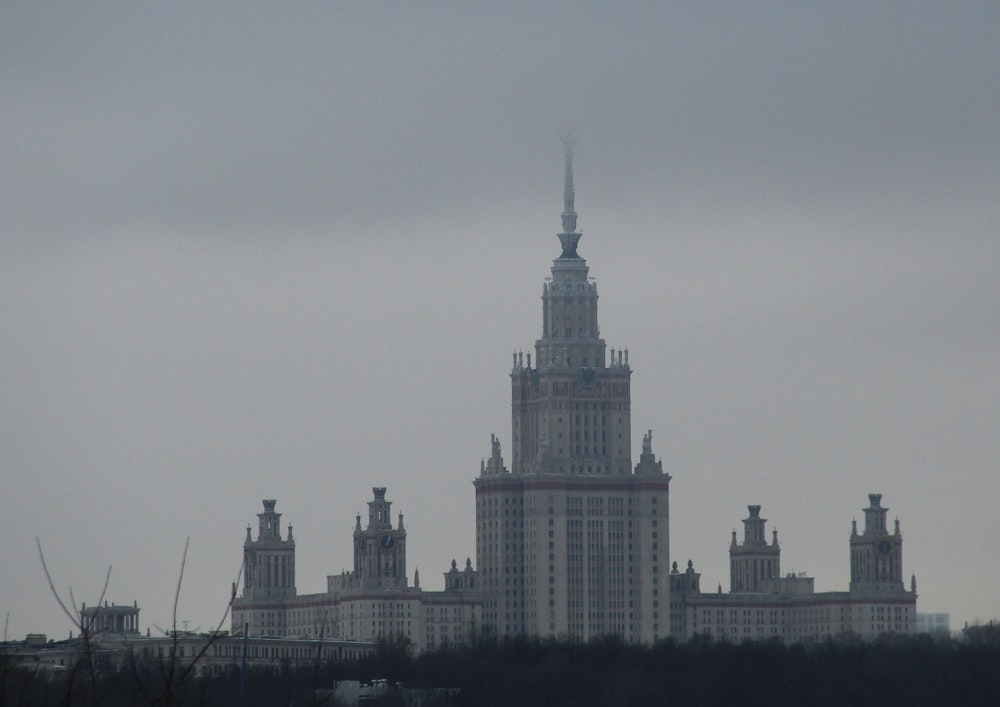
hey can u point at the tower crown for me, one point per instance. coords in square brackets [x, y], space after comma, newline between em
[269, 522]
[875, 515]
[378, 509]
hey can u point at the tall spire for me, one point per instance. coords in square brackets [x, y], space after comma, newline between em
[568, 214]
[569, 237]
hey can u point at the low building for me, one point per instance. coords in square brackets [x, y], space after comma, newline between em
[936, 624]
[215, 653]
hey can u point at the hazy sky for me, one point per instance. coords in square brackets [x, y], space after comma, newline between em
[285, 250]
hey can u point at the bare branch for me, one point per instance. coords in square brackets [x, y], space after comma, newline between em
[215, 634]
[180, 580]
[52, 587]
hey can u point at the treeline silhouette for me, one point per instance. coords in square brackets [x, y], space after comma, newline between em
[912, 671]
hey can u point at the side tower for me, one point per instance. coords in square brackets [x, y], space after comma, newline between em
[269, 561]
[753, 562]
[571, 540]
[876, 555]
[380, 549]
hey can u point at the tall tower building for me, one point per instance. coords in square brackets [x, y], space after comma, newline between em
[571, 539]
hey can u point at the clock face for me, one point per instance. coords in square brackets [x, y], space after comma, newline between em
[387, 541]
[885, 547]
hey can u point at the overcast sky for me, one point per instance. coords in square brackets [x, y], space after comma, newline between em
[285, 250]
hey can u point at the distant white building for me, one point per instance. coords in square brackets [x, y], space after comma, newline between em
[938, 624]
[109, 650]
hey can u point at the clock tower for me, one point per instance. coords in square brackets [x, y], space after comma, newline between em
[380, 549]
[876, 554]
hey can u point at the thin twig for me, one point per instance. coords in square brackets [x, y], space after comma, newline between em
[180, 580]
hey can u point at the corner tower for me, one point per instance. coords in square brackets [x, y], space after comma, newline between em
[380, 549]
[269, 561]
[753, 562]
[876, 554]
[571, 540]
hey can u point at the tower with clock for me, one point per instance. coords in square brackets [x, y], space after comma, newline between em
[876, 554]
[379, 548]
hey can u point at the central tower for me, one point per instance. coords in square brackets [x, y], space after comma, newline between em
[571, 539]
